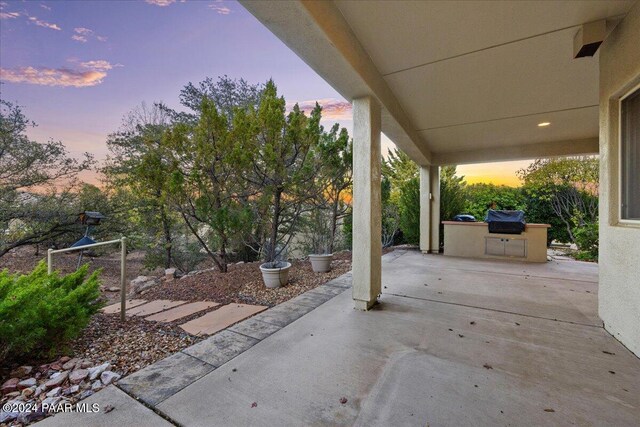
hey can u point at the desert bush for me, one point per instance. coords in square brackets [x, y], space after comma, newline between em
[587, 241]
[409, 207]
[40, 312]
[347, 229]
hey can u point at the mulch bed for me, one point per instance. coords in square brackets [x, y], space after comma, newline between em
[243, 284]
[130, 346]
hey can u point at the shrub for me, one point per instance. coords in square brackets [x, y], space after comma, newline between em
[479, 196]
[40, 312]
[409, 206]
[186, 254]
[587, 241]
[347, 229]
[538, 209]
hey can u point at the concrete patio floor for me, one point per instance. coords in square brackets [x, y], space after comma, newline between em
[454, 342]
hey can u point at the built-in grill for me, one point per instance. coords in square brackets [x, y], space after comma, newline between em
[506, 222]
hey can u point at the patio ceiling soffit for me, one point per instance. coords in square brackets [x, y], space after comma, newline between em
[586, 146]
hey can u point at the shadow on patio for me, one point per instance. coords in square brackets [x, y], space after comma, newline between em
[453, 342]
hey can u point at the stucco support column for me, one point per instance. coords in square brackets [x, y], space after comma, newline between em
[434, 182]
[367, 226]
[425, 209]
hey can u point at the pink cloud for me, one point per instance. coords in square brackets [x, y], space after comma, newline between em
[13, 15]
[9, 15]
[99, 65]
[44, 24]
[83, 35]
[92, 73]
[219, 8]
[52, 76]
[44, 6]
[83, 31]
[161, 3]
[332, 108]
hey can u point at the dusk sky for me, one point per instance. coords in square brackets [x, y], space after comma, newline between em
[76, 67]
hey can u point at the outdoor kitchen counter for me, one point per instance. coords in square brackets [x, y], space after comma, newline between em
[473, 240]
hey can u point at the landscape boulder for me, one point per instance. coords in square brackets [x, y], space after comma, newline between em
[77, 376]
[56, 379]
[6, 417]
[29, 382]
[98, 370]
[54, 392]
[71, 390]
[107, 377]
[141, 283]
[70, 364]
[10, 385]
[22, 371]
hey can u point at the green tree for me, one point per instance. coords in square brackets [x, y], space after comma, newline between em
[38, 183]
[227, 94]
[478, 198]
[390, 214]
[409, 207]
[283, 167]
[539, 210]
[230, 96]
[569, 185]
[403, 207]
[334, 178]
[452, 196]
[137, 171]
[399, 169]
[208, 160]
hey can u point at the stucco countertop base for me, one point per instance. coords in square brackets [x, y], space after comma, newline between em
[473, 240]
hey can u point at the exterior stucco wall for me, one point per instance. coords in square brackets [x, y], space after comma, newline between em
[619, 263]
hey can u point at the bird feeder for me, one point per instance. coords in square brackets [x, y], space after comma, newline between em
[91, 218]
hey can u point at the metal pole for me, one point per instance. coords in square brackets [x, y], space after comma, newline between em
[49, 261]
[123, 273]
[79, 260]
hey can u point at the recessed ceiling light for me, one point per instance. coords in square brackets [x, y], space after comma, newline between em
[543, 124]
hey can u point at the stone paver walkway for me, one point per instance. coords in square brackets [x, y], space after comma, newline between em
[181, 311]
[115, 308]
[153, 307]
[207, 324]
[221, 318]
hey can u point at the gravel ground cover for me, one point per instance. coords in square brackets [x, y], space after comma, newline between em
[118, 349]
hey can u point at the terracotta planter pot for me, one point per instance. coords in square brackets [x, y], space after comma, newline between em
[275, 277]
[321, 263]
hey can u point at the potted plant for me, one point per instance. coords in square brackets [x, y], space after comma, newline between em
[275, 270]
[319, 235]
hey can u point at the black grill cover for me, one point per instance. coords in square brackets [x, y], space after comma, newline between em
[505, 222]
